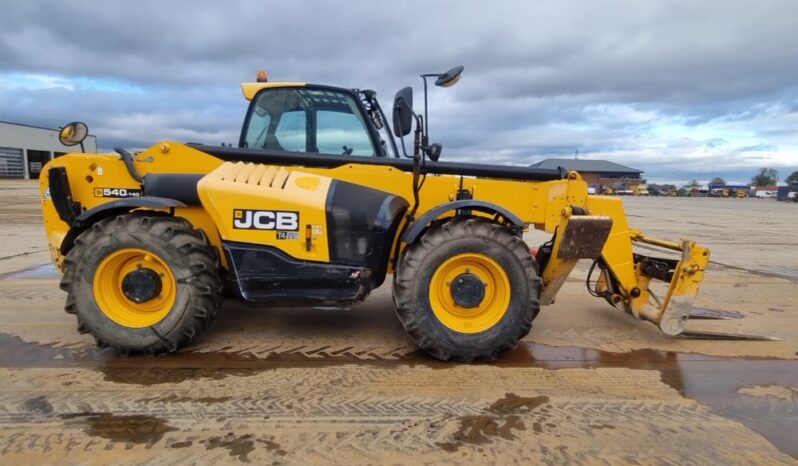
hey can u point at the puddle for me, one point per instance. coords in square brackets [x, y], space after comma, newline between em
[156, 374]
[784, 272]
[38, 271]
[711, 380]
[28, 253]
[501, 419]
[775, 391]
[19, 353]
[128, 429]
[706, 313]
[38, 404]
[238, 446]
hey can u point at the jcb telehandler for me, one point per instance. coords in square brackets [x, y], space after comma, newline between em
[317, 205]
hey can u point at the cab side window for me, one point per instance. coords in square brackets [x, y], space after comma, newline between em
[308, 120]
[342, 133]
[291, 132]
[256, 131]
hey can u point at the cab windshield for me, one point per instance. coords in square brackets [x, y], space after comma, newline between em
[307, 120]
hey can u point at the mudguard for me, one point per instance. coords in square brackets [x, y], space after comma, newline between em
[126, 204]
[421, 224]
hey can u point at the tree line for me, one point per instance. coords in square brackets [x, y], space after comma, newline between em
[764, 177]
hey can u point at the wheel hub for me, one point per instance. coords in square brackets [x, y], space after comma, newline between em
[141, 285]
[134, 287]
[467, 290]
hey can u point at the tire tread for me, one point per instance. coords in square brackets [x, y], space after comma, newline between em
[203, 275]
[437, 235]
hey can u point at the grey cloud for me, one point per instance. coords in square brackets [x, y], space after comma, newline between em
[542, 79]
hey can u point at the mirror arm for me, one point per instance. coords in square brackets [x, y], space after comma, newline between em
[426, 118]
[420, 147]
[418, 159]
[402, 142]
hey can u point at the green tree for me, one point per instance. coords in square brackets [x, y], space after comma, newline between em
[765, 177]
[693, 183]
[792, 180]
[718, 181]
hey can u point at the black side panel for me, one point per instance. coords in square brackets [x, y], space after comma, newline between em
[263, 273]
[275, 157]
[68, 210]
[361, 225]
[179, 186]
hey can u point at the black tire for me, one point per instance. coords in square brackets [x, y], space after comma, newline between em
[187, 252]
[440, 242]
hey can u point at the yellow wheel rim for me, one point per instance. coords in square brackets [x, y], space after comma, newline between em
[484, 315]
[111, 299]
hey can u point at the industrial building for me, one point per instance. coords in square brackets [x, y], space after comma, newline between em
[599, 174]
[24, 149]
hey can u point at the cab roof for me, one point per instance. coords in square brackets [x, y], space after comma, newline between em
[250, 89]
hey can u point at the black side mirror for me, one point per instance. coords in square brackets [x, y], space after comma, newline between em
[403, 112]
[73, 133]
[434, 151]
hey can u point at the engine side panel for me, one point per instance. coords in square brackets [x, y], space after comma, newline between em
[290, 235]
[269, 206]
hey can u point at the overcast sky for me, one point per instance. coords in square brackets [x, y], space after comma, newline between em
[679, 89]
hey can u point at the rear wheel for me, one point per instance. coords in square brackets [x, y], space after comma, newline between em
[467, 289]
[142, 282]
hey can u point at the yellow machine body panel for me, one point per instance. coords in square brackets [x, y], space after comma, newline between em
[269, 205]
[96, 179]
[520, 197]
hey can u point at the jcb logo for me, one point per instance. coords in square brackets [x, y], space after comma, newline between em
[246, 219]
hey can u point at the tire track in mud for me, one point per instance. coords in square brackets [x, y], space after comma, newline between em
[333, 351]
[324, 386]
[512, 426]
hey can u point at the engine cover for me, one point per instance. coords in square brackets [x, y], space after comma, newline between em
[304, 219]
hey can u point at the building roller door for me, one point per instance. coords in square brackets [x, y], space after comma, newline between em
[11, 163]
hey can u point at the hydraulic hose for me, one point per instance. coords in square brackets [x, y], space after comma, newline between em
[127, 157]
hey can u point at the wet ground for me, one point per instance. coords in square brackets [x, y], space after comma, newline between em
[589, 385]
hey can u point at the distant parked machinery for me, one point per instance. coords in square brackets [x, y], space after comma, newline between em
[734, 191]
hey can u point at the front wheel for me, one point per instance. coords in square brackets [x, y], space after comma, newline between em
[142, 282]
[467, 290]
